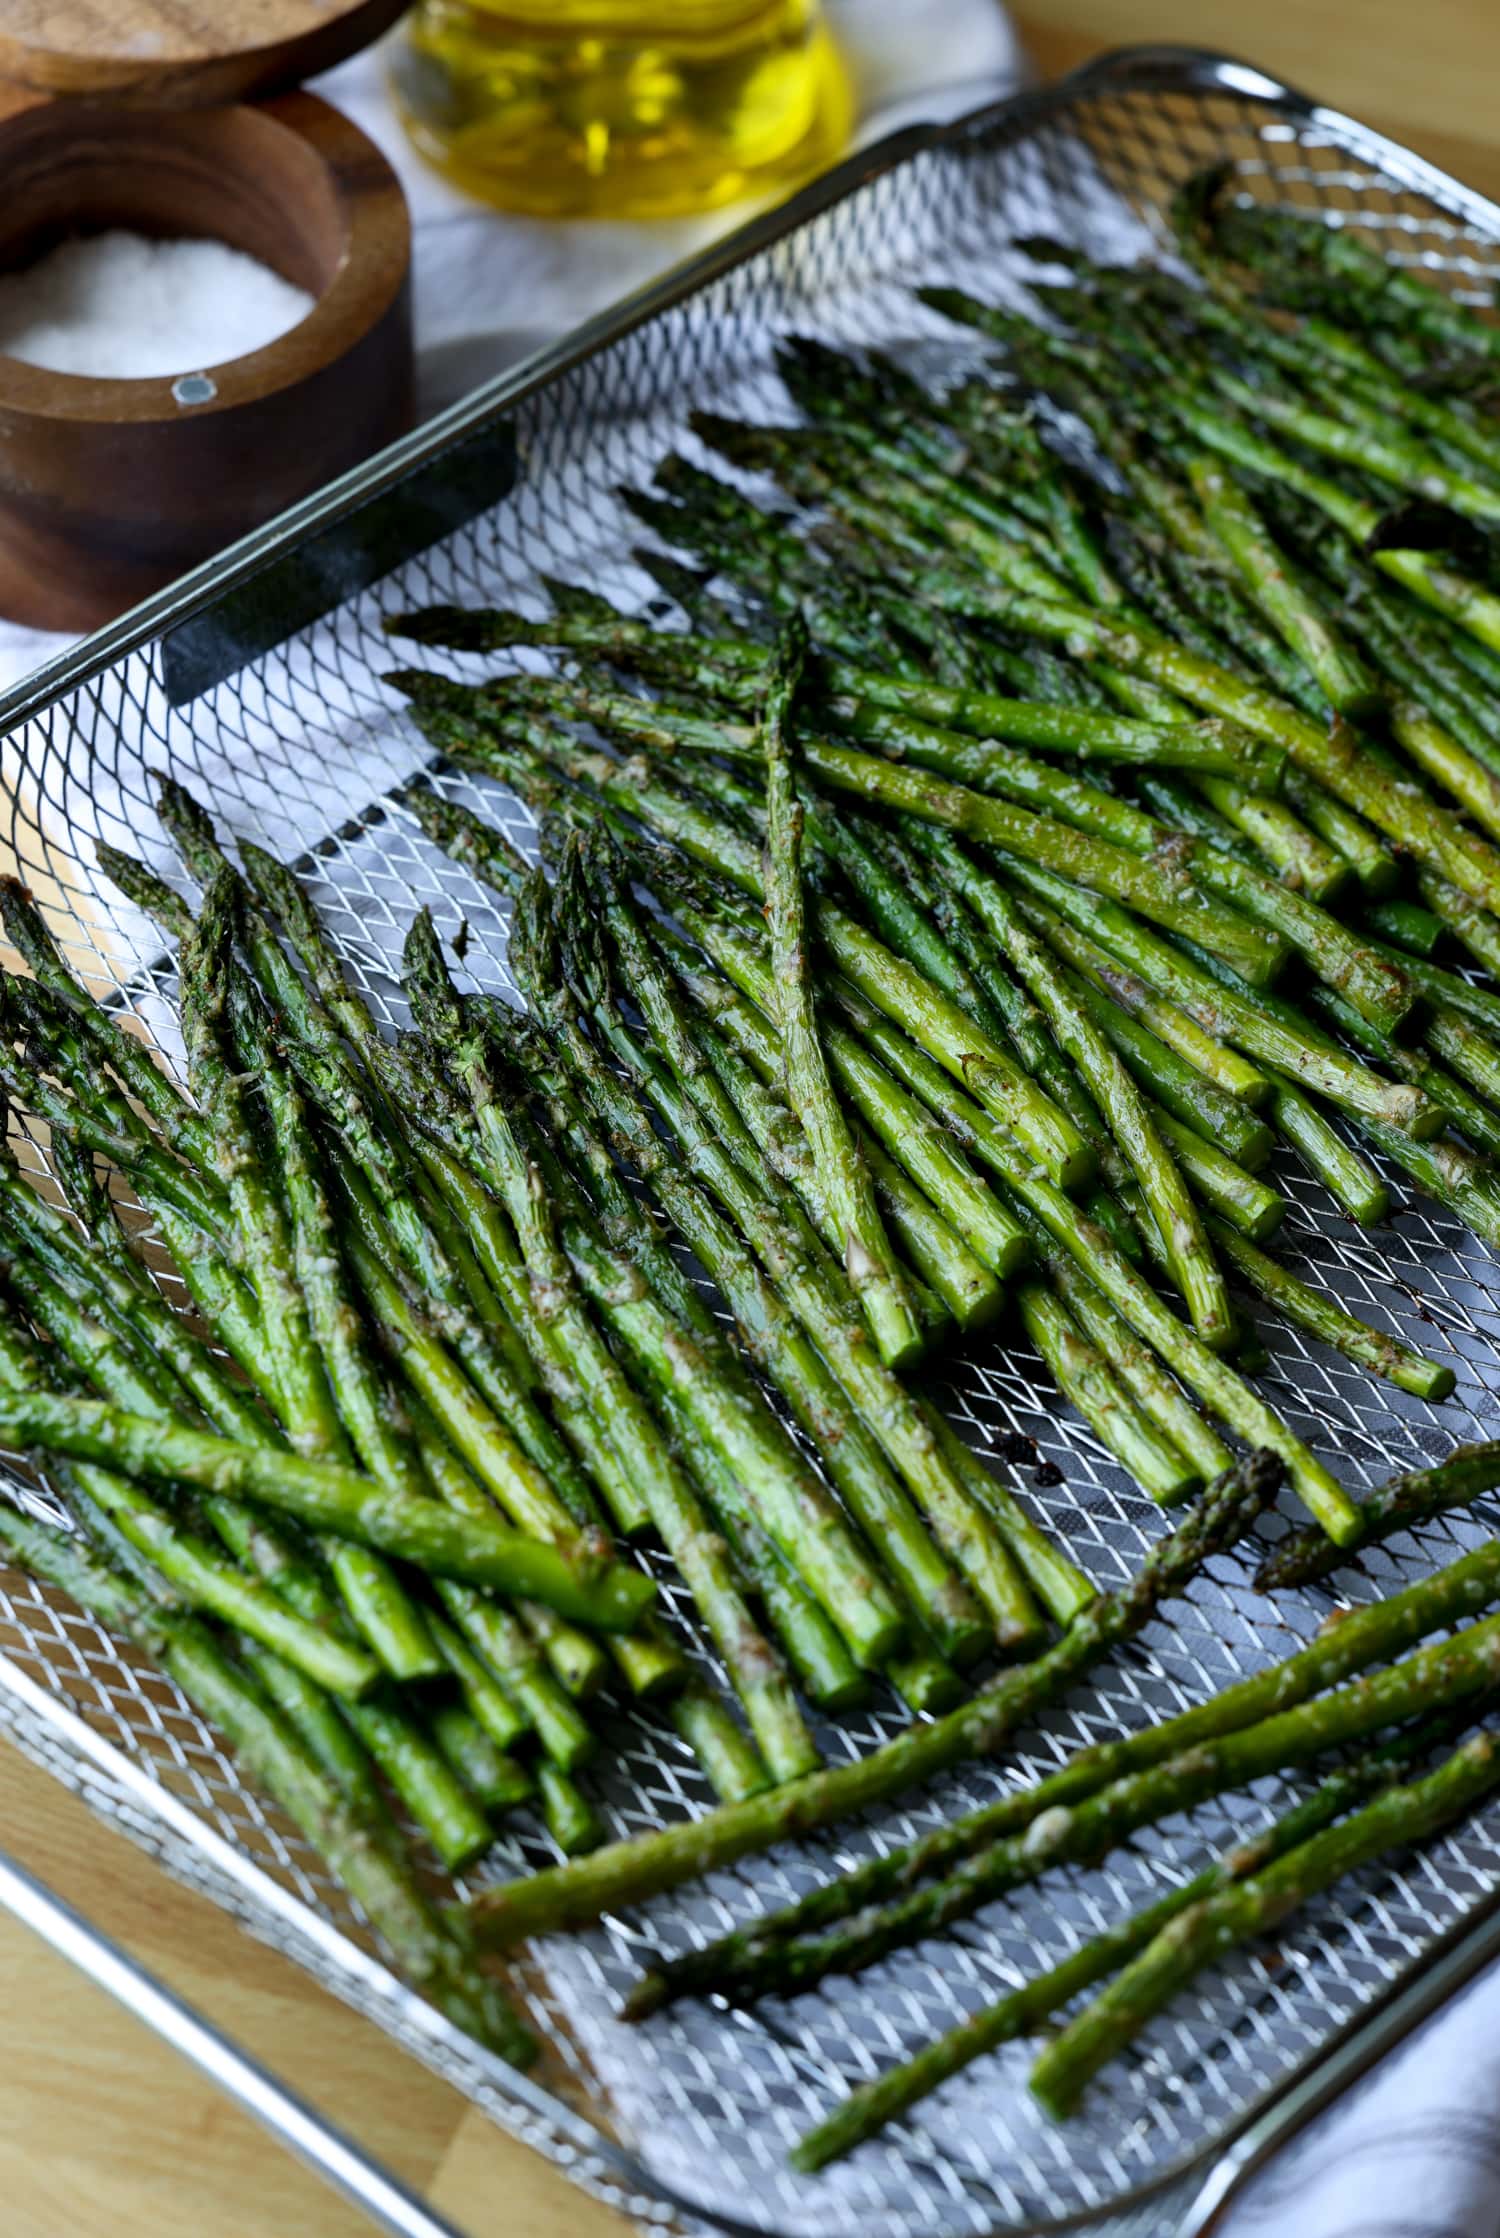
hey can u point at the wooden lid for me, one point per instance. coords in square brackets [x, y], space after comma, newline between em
[181, 52]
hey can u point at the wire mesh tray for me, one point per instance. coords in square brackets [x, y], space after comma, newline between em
[281, 722]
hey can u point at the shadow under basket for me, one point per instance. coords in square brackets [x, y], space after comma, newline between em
[111, 488]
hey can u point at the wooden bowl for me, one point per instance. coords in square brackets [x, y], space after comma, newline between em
[110, 488]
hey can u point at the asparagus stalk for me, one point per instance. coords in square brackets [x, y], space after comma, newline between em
[730, 1762]
[1084, 1377]
[1266, 1037]
[1188, 1250]
[1086, 1242]
[839, 1167]
[432, 1957]
[1364, 1636]
[809, 1281]
[627, 1872]
[379, 1437]
[977, 1059]
[1398, 1505]
[1465, 1110]
[906, 1131]
[1232, 517]
[1325, 1319]
[1350, 1179]
[369, 1133]
[1437, 1676]
[704, 1562]
[1403, 1815]
[295, 1368]
[772, 1333]
[1175, 1027]
[201, 1578]
[954, 1283]
[567, 1814]
[570, 1577]
[1153, 1389]
[872, 2105]
[494, 1779]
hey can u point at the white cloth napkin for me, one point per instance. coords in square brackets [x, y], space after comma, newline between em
[1412, 2152]
[1415, 2153]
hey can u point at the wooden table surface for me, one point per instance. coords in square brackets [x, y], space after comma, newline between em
[103, 2128]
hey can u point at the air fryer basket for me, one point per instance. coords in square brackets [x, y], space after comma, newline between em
[295, 742]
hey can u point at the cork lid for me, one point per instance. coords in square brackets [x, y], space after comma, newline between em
[180, 53]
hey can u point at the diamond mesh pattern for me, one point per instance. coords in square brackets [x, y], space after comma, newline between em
[302, 751]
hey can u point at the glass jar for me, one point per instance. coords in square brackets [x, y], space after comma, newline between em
[622, 109]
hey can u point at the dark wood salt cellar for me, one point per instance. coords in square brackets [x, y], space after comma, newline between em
[110, 488]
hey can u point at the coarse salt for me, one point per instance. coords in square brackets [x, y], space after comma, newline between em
[120, 306]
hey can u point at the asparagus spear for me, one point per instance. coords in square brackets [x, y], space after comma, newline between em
[433, 1958]
[493, 1778]
[1363, 1636]
[772, 1333]
[438, 1803]
[1175, 1027]
[701, 1557]
[379, 1437]
[1085, 1377]
[201, 1578]
[809, 1280]
[729, 1760]
[1323, 1317]
[954, 1283]
[1154, 1390]
[1237, 1017]
[570, 1577]
[1218, 1922]
[1437, 1676]
[884, 977]
[1086, 1242]
[627, 1872]
[906, 1131]
[1188, 1250]
[868, 2108]
[1397, 1505]
[840, 1169]
[1349, 1178]
[1232, 517]
[369, 1133]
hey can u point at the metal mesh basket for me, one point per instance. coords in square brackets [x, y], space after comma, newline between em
[300, 746]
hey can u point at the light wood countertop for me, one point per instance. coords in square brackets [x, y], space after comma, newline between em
[101, 2127]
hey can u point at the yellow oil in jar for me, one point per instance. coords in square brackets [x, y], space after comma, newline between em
[618, 109]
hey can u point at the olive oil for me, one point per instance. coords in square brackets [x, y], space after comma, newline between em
[618, 109]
